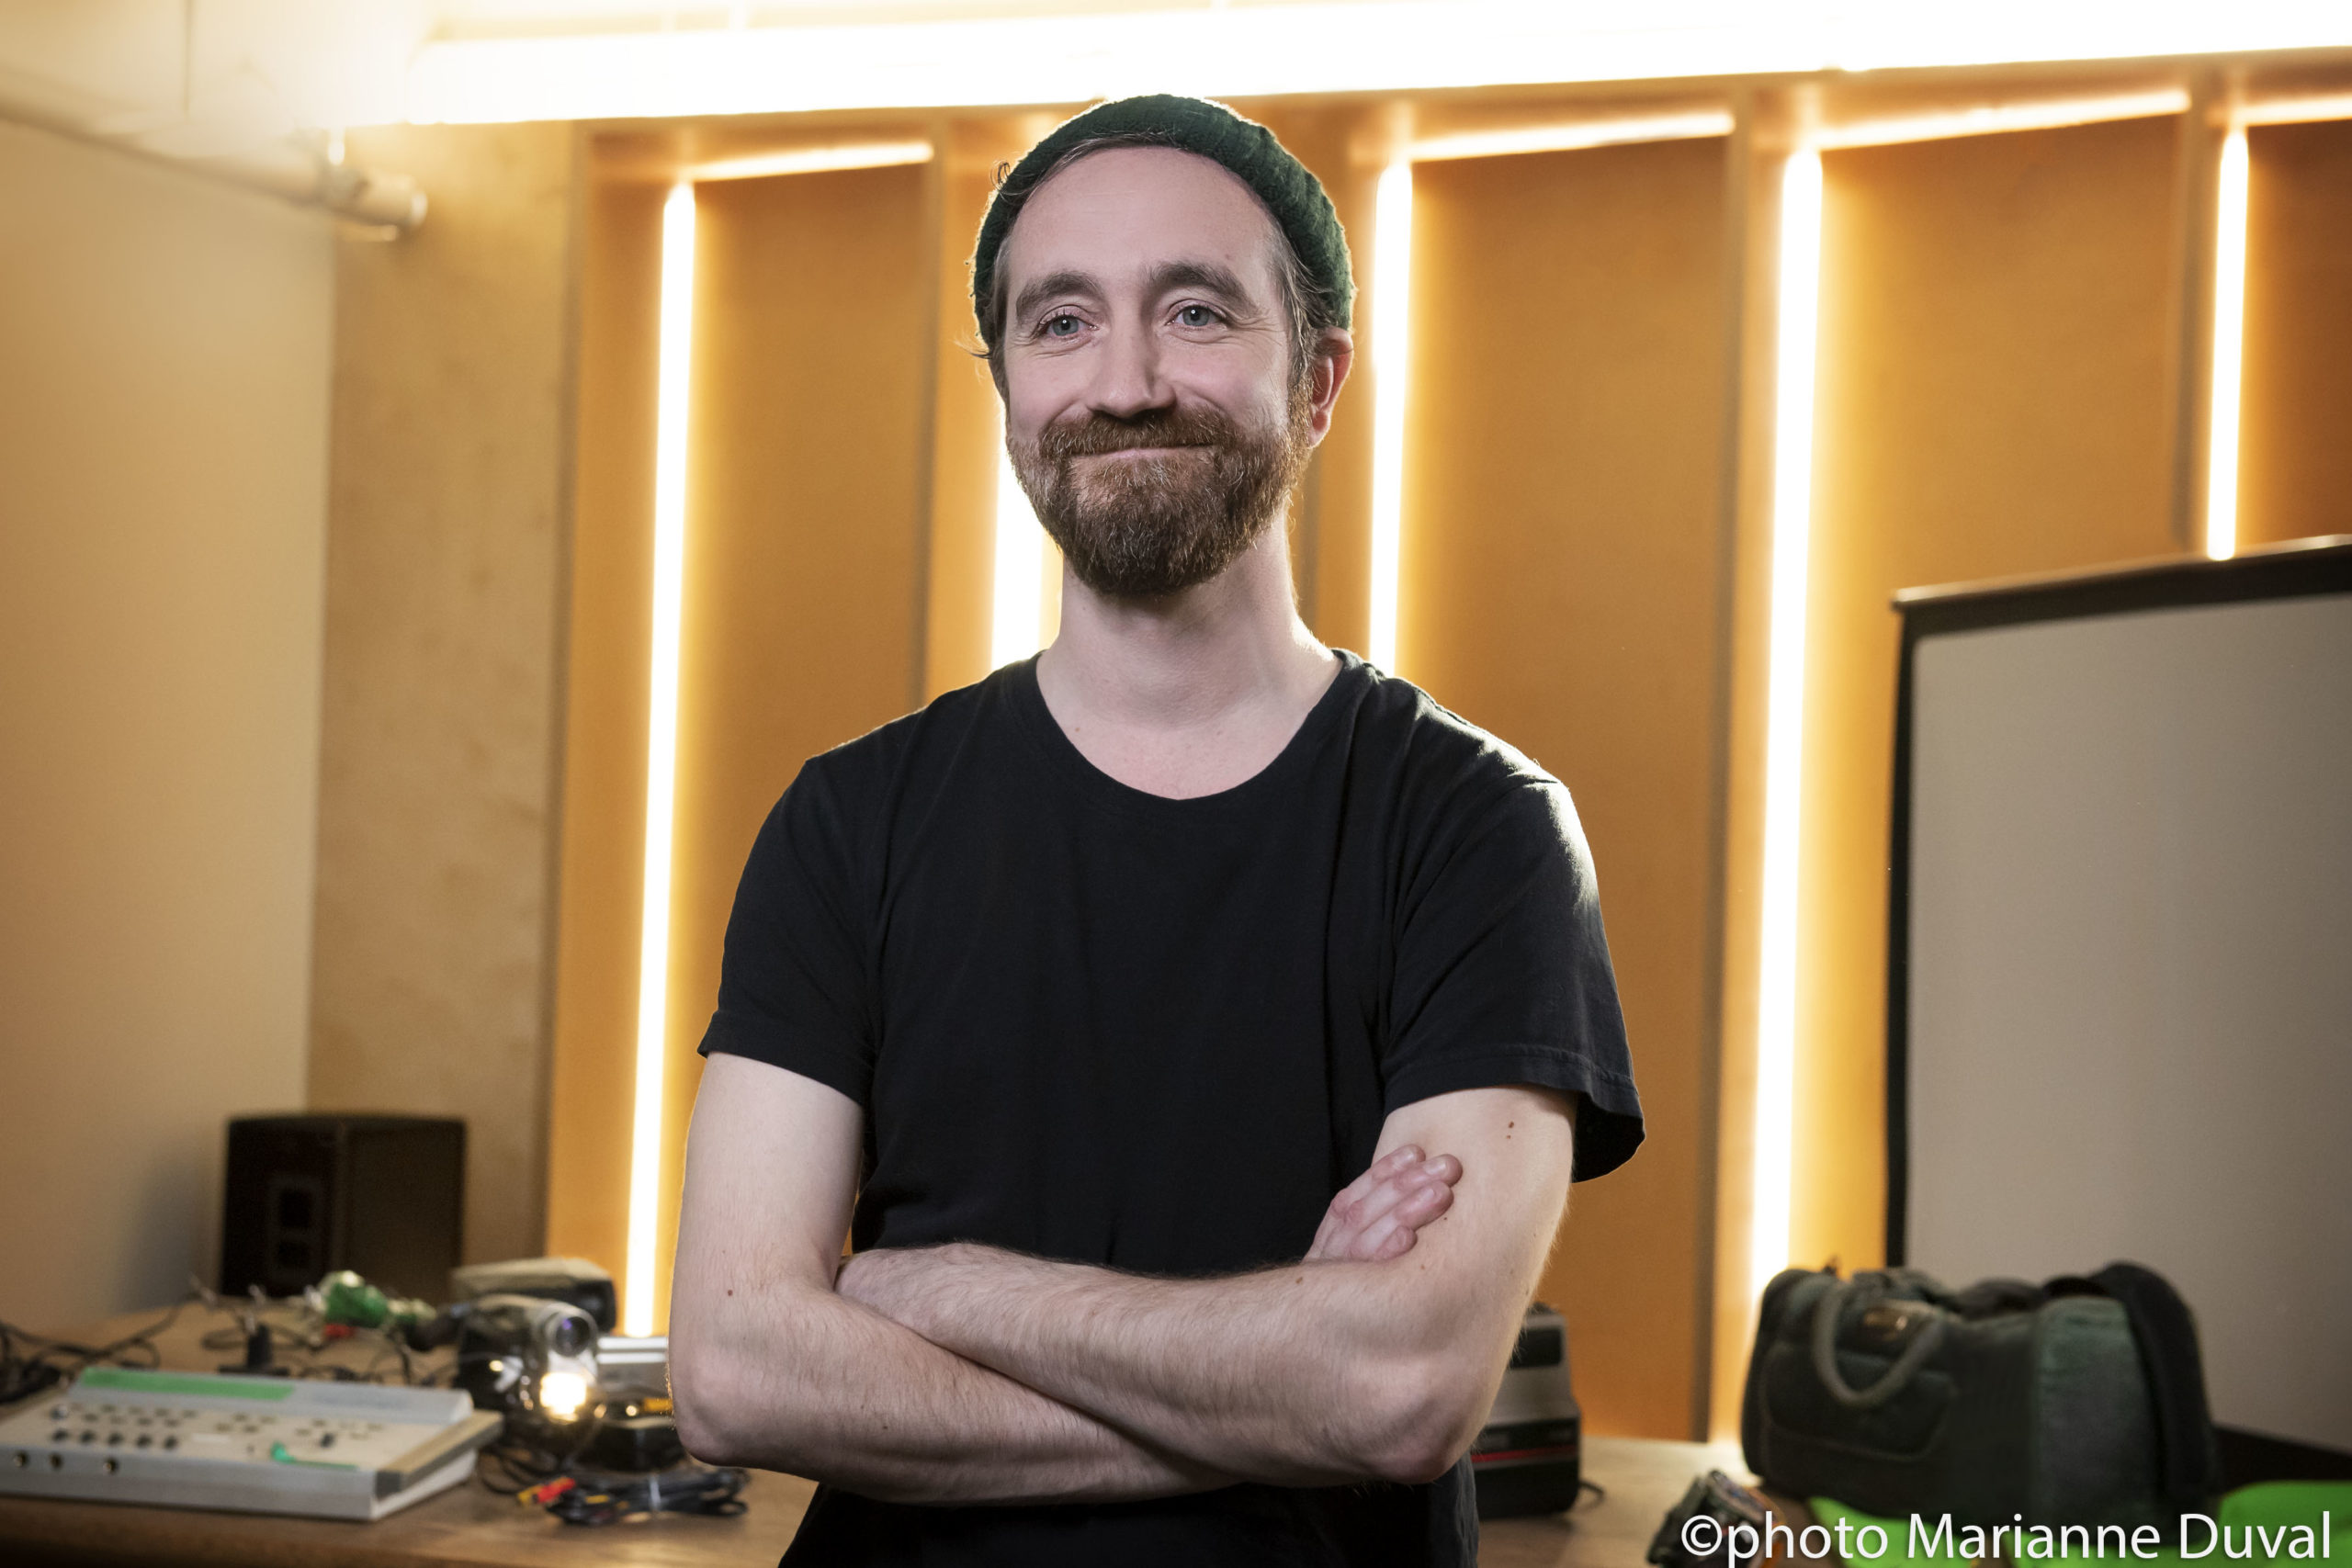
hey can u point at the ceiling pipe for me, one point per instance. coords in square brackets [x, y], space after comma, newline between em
[295, 167]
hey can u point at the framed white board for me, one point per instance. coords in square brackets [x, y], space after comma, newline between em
[2121, 963]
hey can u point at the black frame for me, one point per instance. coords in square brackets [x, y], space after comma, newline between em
[2286, 571]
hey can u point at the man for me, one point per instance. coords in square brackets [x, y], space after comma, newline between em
[1077, 997]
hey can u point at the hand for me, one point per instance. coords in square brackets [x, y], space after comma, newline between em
[1379, 1214]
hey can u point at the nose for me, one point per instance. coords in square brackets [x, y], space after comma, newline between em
[1131, 380]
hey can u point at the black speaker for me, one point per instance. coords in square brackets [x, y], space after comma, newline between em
[307, 1195]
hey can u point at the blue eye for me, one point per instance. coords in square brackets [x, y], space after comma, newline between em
[1062, 325]
[1196, 316]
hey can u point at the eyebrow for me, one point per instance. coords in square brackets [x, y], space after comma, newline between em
[1166, 277]
[1064, 282]
[1223, 282]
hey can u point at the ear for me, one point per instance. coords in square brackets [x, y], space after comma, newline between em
[1335, 356]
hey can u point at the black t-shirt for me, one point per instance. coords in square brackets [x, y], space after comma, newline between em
[1092, 1023]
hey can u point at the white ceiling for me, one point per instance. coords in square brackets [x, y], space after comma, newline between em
[176, 73]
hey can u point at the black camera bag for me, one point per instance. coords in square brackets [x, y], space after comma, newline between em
[2078, 1401]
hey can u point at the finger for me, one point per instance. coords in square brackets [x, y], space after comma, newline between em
[1379, 1171]
[1394, 1232]
[1444, 1169]
[1369, 1196]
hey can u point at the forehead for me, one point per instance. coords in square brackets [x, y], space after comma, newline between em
[1119, 213]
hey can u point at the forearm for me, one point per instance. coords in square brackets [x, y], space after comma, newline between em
[811, 1384]
[1316, 1374]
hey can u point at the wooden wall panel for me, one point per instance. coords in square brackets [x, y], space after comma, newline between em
[806, 513]
[603, 844]
[2295, 468]
[1331, 519]
[966, 424]
[165, 349]
[450, 467]
[1995, 397]
[1562, 585]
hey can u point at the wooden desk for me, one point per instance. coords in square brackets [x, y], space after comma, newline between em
[470, 1525]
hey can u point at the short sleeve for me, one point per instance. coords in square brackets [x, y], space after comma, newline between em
[1502, 976]
[794, 989]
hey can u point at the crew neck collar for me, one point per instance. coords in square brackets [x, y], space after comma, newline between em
[1028, 702]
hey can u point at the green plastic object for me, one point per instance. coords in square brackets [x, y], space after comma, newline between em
[138, 1379]
[345, 1298]
[2276, 1508]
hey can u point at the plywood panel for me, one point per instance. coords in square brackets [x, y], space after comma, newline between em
[1562, 585]
[1994, 398]
[603, 849]
[2295, 472]
[451, 470]
[807, 510]
[966, 421]
[167, 347]
[1331, 519]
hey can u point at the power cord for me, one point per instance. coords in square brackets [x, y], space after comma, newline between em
[543, 1477]
[591, 1499]
[43, 1362]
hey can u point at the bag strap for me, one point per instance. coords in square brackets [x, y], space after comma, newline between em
[1826, 1312]
[2166, 1336]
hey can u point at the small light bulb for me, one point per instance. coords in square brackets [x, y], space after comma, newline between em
[562, 1394]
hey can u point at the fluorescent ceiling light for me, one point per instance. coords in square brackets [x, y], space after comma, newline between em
[639, 1277]
[1986, 119]
[1017, 609]
[1776, 1003]
[1073, 56]
[1392, 302]
[2229, 350]
[811, 161]
[2294, 111]
[1574, 135]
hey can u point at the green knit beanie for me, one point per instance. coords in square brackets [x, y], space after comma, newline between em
[1293, 195]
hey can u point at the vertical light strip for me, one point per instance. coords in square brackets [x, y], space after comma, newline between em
[1392, 297]
[660, 751]
[2229, 349]
[1798, 341]
[1016, 615]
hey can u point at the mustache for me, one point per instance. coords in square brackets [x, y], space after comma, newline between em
[1098, 434]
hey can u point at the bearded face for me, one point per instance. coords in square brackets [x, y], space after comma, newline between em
[1201, 490]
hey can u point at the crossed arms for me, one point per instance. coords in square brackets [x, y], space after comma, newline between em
[965, 1375]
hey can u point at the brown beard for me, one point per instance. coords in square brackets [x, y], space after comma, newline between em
[1157, 525]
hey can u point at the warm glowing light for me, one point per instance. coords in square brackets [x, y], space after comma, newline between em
[660, 751]
[1016, 622]
[813, 161]
[2294, 111]
[1391, 298]
[1066, 53]
[2229, 350]
[1985, 120]
[562, 1394]
[1784, 714]
[1571, 135]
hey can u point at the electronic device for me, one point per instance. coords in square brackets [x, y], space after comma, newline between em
[1529, 1457]
[574, 1279]
[340, 1451]
[1733, 1534]
[308, 1195]
[602, 1399]
[635, 1431]
[526, 1356]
